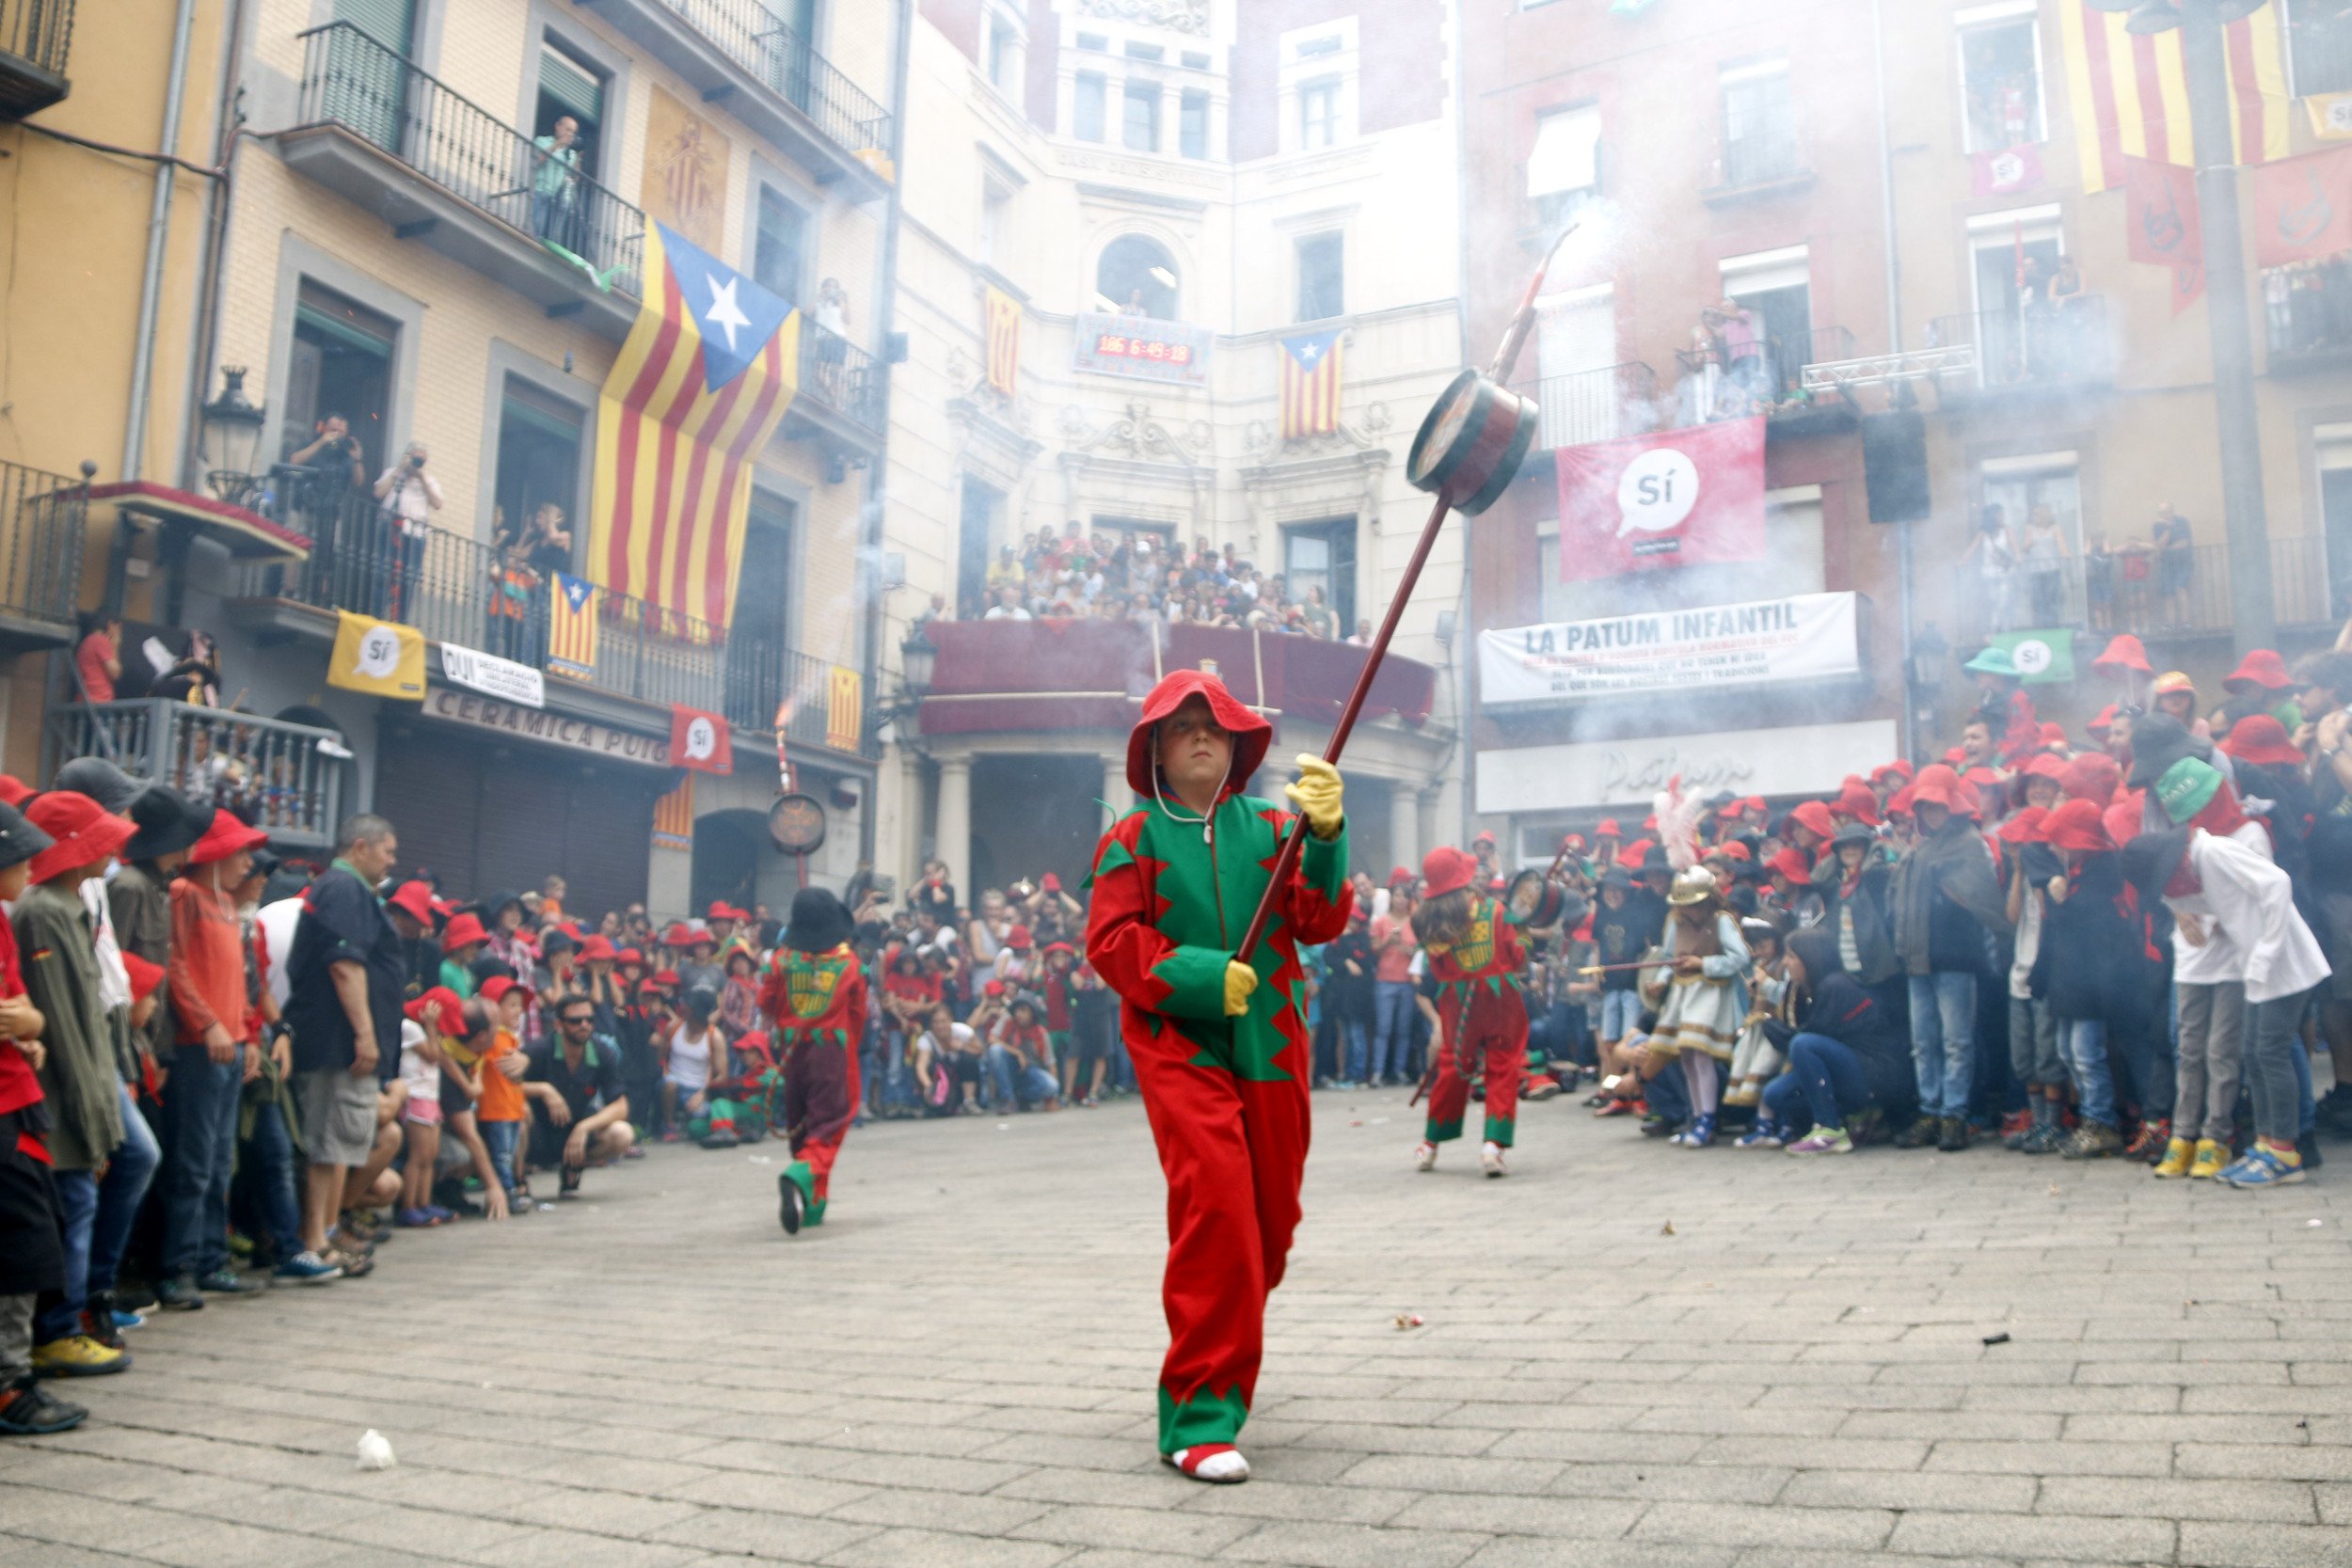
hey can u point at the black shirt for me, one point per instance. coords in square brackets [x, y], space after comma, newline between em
[589, 1088]
[342, 920]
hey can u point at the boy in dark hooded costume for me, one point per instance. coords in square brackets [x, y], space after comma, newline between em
[1220, 1046]
[816, 993]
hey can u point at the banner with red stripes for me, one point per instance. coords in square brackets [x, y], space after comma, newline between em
[2130, 94]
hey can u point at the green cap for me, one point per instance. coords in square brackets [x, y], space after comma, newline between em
[2185, 786]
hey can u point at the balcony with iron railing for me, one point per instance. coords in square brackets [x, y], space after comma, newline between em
[2056, 347]
[456, 589]
[2154, 595]
[35, 35]
[842, 391]
[280, 776]
[743, 57]
[448, 174]
[1594, 405]
[44, 517]
[1773, 383]
[1758, 147]
[2307, 315]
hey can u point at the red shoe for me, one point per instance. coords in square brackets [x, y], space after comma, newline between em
[2016, 1123]
[1623, 1108]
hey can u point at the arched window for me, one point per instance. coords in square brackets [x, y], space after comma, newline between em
[1137, 277]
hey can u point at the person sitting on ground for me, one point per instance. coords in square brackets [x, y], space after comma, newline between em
[1021, 1058]
[697, 1055]
[579, 1109]
[1846, 1060]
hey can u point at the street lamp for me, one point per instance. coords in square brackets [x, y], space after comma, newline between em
[916, 656]
[232, 436]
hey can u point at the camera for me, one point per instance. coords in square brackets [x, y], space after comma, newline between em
[416, 462]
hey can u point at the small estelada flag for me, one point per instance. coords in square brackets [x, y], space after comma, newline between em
[1311, 384]
[701, 741]
[383, 658]
[572, 626]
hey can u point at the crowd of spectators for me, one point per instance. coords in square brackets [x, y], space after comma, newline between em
[1144, 577]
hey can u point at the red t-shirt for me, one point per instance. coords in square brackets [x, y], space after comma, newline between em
[1395, 964]
[18, 1086]
[90, 658]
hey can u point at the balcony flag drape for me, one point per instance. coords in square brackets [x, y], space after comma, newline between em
[1311, 384]
[701, 384]
[2130, 94]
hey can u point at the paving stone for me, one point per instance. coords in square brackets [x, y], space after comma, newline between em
[2241, 1546]
[1584, 1518]
[1911, 1489]
[1182, 1531]
[1931, 1533]
[2282, 1501]
[1327, 1546]
[1727, 1524]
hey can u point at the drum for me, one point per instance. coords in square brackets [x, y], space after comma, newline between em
[1534, 901]
[1471, 443]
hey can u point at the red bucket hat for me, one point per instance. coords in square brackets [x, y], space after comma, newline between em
[2077, 825]
[145, 976]
[1791, 862]
[2123, 817]
[1899, 768]
[1251, 733]
[1813, 815]
[2091, 777]
[84, 832]
[441, 1010]
[2102, 722]
[2052, 734]
[2027, 827]
[13, 790]
[1938, 785]
[224, 838]
[1018, 938]
[2123, 653]
[418, 901]
[463, 931]
[1608, 829]
[1444, 869]
[2260, 667]
[597, 948]
[1857, 801]
[2263, 740]
[677, 934]
[1398, 876]
[497, 986]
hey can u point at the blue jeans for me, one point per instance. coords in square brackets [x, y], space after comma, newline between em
[501, 1138]
[201, 1119]
[1010, 1083]
[271, 1152]
[96, 1218]
[1943, 1041]
[1825, 1080]
[2086, 1057]
[1354, 1059]
[1393, 1014]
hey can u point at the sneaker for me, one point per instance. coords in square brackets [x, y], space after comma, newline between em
[1954, 1136]
[2152, 1142]
[1218, 1462]
[98, 1319]
[791, 1202]
[1823, 1140]
[2211, 1158]
[1426, 1156]
[2092, 1140]
[1764, 1134]
[2048, 1138]
[1700, 1134]
[307, 1268]
[414, 1219]
[229, 1282]
[1612, 1105]
[1656, 1125]
[2178, 1153]
[1490, 1160]
[28, 1410]
[2307, 1144]
[354, 1265]
[2335, 1111]
[441, 1216]
[78, 1356]
[519, 1201]
[1922, 1133]
[179, 1294]
[2015, 1127]
[128, 1320]
[2261, 1167]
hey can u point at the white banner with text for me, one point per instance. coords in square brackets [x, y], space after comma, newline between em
[1671, 650]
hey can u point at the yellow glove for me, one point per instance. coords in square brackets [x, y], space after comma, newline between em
[1317, 797]
[1240, 980]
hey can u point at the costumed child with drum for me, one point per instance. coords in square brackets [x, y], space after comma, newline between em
[1474, 956]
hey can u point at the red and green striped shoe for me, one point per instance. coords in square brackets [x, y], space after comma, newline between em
[1220, 1464]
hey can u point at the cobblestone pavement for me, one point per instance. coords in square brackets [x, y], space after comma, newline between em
[1632, 1354]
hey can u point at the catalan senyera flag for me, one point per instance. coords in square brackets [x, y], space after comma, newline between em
[572, 626]
[2130, 95]
[699, 386]
[674, 816]
[1311, 384]
[1004, 341]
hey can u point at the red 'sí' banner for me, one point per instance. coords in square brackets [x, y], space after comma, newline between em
[701, 741]
[1678, 498]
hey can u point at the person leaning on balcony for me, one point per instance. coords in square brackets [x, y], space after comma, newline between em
[99, 659]
[405, 496]
[1008, 606]
[332, 458]
[554, 180]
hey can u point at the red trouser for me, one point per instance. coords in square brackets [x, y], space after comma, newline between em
[1496, 1026]
[821, 1099]
[1233, 1152]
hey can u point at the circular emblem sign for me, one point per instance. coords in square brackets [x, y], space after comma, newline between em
[2031, 655]
[1656, 492]
[379, 653]
[701, 739]
[797, 823]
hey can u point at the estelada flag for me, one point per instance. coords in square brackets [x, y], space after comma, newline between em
[380, 656]
[2164, 224]
[699, 386]
[2303, 208]
[1311, 384]
[701, 741]
[1678, 498]
[572, 626]
[1004, 341]
[2130, 94]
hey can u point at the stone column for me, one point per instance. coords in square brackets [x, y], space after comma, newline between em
[1403, 827]
[1116, 794]
[955, 821]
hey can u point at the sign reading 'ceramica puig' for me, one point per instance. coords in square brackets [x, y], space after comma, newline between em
[1143, 347]
[1671, 650]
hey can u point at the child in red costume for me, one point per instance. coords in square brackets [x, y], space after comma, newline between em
[1220, 1048]
[1475, 958]
[815, 992]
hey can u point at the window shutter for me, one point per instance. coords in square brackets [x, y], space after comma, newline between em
[563, 80]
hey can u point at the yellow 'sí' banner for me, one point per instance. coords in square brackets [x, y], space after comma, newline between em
[380, 656]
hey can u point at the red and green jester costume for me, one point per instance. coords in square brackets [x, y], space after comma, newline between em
[1479, 1008]
[1227, 1097]
[815, 992]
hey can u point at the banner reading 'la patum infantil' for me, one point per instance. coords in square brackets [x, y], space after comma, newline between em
[1807, 635]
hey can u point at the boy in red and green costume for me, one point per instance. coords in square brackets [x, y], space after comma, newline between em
[1480, 1012]
[1220, 1048]
[815, 992]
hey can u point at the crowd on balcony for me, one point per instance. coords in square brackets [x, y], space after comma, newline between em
[1144, 578]
[1737, 367]
[2027, 573]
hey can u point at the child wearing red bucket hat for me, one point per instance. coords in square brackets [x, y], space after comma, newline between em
[1944, 898]
[2095, 970]
[32, 1250]
[1475, 959]
[1219, 1046]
